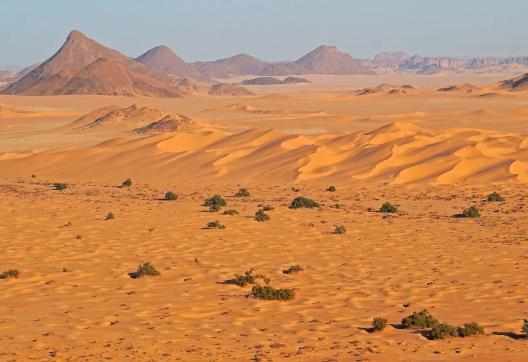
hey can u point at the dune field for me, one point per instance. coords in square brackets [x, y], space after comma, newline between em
[431, 146]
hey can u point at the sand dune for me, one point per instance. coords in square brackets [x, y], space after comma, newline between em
[395, 153]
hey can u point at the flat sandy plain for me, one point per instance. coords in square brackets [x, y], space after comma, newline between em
[74, 299]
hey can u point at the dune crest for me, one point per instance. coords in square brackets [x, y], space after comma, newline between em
[398, 152]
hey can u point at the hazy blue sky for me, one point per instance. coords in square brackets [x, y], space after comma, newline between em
[31, 31]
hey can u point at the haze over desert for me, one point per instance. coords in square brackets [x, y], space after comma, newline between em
[232, 181]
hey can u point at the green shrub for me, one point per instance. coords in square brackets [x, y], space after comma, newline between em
[379, 323]
[336, 206]
[243, 280]
[231, 212]
[331, 188]
[145, 270]
[443, 330]
[110, 216]
[170, 196]
[301, 201]
[524, 328]
[340, 229]
[243, 192]
[215, 203]
[215, 225]
[261, 216]
[127, 183]
[60, 186]
[471, 212]
[387, 207]
[495, 197]
[470, 329]
[267, 292]
[420, 319]
[10, 273]
[292, 269]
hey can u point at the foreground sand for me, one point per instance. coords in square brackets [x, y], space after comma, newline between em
[460, 269]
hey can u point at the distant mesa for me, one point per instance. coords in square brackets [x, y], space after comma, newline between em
[163, 60]
[385, 89]
[112, 117]
[519, 83]
[226, 89]
[273, 81]
[169, 123]
[83, 66]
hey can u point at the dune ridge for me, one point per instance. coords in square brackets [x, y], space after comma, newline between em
[397, 153]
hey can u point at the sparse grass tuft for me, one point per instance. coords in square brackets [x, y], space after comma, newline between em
[127, 183]
[266, 207]
[471, 212]
[379, 323]
[145, 270]
[60, 186]
[215, 225]
[261, 216]
[470, 329]
[243, 192]
[292, 269]
[331, 188]
[170, 196]
[443, 330]
[110, 216]
[387, 207]
[422, 319]
[267, 292]
[340, 229]
[243, 280]
[231, 212]
[301, 201]
[10, 273]
[524, 328]
[495, 197]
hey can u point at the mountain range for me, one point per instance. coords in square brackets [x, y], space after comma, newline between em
[83, 66]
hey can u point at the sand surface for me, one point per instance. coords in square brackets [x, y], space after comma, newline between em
[431, 153]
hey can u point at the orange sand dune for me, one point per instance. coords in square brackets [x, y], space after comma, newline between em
[395, 153]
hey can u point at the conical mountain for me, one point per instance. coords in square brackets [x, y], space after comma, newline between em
[163, 60]
[65, 73]
[329, 60]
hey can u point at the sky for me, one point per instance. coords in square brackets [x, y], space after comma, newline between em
[32, 30]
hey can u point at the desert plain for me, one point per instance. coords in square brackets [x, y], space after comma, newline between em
[430, 153]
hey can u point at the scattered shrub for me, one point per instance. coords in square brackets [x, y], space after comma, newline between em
[470, 329]
[471, 212]
[295, 189]
[524, 328]
[33, 176]
[261, 216]
[266, 207]
[231, 212]
[292, 269]
[60, 186]
[267, 292]
[331, 188]
[110, 216]
[495, 197]
[388, 208]
[340, 229]
[336, 206]
[215, 203]
[127, 183]
[420, 319]
[243, 192]
[379, 323]
[10, 273]
[145, 270]
[303, 202]
[443, 330]
[215, 225]
[170, 196]
[243, 280]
